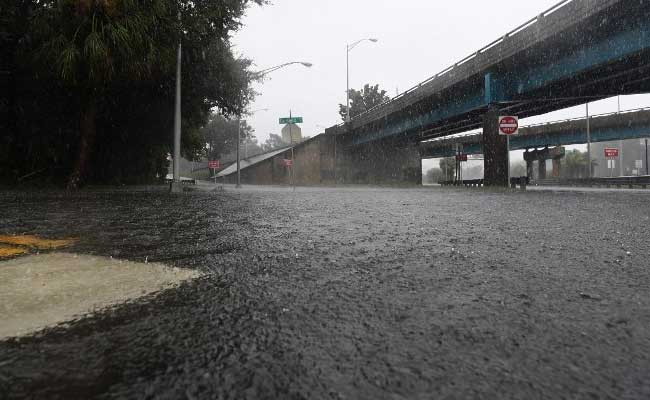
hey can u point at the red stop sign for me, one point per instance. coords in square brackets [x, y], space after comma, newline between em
[508, 125]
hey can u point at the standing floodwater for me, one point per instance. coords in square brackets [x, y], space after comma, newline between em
[351, 293]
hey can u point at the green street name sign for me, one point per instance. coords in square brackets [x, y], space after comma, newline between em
[294, 120]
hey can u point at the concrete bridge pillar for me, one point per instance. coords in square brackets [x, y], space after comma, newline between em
[529, 169]
[557, 167]
[541, 168]
[495, 150]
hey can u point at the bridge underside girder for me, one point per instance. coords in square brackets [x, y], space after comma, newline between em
[631, 125]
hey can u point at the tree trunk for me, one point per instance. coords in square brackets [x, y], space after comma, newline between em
[87, 130]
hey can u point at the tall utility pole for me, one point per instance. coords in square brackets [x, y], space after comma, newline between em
[646, 157]
[335, 181]
[238, 146]
[589, 143]
[176, 183]
[620, 158]
[347, 77]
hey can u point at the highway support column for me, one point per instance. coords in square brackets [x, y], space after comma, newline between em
[541, 168]
[495, 150]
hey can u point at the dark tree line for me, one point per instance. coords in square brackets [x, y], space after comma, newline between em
[87, 86]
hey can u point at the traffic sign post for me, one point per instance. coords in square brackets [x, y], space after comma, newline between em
[508, 126]
[214, 165]
[290, 121]
[611, 154]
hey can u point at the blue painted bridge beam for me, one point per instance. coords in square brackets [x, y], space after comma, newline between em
[633, 125]
[612, 58]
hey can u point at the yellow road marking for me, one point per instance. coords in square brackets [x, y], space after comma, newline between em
[11, 251]
[36, 242]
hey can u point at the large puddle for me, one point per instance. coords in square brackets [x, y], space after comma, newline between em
[38, 291]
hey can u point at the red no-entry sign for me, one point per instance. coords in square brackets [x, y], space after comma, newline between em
[611, 152]
[287, 163]
[214, 164]
[508, 125]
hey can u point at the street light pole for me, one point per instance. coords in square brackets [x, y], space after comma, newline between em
[347, 77]
[349, 48]
[277, 67]
[176, 183]
[238, 146]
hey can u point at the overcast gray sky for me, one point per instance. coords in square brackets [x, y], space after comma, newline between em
[417, 39]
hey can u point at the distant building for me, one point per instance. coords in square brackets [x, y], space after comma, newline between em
[291, 133]
[631, 160]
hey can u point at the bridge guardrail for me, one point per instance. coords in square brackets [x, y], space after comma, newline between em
[473, 55]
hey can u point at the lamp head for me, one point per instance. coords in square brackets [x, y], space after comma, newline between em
[307, 64]
[374, 40]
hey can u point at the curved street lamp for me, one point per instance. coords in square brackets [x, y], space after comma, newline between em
[277, 67]
[347, 61]
[260, 74]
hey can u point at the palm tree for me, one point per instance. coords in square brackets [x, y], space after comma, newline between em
[90, 43]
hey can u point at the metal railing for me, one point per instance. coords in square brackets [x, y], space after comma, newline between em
[522, 181]
[629, 181]
[475, 54]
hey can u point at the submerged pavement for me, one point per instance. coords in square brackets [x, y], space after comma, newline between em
[350, 293]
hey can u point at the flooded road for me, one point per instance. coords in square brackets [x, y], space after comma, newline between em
[350, 293]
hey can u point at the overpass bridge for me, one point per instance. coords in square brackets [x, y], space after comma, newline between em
[576, 52]
[630, 124]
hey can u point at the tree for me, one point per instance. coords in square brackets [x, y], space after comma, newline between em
[252, 147]
[92, 43]
[274, 142]
[576, 164]
[448, 167]
[363, 100]
[220, 135]
[97, 77]
[518, 169]
[433, 176]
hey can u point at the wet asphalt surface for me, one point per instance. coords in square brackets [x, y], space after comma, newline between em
[351, 293]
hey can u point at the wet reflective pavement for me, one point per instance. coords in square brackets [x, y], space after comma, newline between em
[350, 293]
